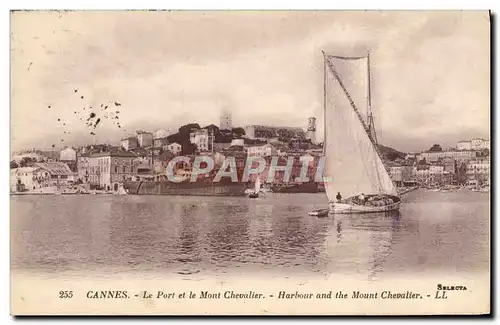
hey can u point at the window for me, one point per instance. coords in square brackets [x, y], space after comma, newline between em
[124, 169]
[116, 169]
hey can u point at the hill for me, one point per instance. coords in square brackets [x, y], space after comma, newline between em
[390, 154]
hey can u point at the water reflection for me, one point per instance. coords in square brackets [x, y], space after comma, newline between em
[182, 235]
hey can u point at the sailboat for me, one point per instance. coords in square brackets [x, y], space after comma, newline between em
[353, 165]
[255, 193]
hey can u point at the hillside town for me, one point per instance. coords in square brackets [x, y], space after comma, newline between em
[145, 155]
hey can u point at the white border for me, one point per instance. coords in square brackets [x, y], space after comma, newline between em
[186, 5]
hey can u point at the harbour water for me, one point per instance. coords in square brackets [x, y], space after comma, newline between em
[433, 233]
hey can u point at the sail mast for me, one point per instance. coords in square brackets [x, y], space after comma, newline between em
[324, 101]
[371, 122]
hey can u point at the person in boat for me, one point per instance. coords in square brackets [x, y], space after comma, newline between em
[362, 199]
[338, 197]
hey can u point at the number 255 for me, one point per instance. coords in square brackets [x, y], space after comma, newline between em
[65, 294]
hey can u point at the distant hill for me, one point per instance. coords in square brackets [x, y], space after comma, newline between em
[389, 153]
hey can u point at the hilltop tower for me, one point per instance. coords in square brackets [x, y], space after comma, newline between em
[311, 129]
[225, 120]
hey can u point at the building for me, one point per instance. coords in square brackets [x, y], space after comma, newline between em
[396, 173]
[478, 172]
[160, 142]
[474, 144]
[237, 143]
[269, 132]
[449, 165]
[464, 145]
[218, 147]
[161, 133]
[225, 120]
[144, 139]
[28, 178]
[201, 139]
[479, 166]
[60, 173]
[107, 169]
[311, 130]
[266, 150]
[458, 155]
[67, 154]
[129, 143]
[479, 144]
[174, 148]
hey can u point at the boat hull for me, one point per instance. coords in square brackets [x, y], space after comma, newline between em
[348, 207]
[341, 208]
[185, 188]
[319, 213]
[296, 188]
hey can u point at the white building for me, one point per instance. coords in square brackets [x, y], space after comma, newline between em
[464, 145]
[436, 169]
[474, 144]
[129, 143]
[237, 142]
[200, 139]
[31, 178]
[60, 173]
[479, 166]
[161, 133]
[67, 154]
[479, 144]
[265, 150]
[225, 120]
[311, 129]
[395, 173]
[107, 169]
[174, 148]
[456, 155]
[144, 139]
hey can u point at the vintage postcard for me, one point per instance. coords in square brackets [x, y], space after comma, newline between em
[250, 162]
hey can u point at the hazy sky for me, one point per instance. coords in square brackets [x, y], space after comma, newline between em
[430, 71]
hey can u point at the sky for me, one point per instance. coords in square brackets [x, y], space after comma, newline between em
[430, 71]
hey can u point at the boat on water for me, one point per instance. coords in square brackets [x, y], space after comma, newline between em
[257, 189]
[354, 169]
[308, 187]
[186, 188]
[319, 213]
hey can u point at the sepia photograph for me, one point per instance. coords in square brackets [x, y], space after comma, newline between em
[169, 162]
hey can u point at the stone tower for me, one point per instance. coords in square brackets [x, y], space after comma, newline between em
[311, 129]
[225, 120]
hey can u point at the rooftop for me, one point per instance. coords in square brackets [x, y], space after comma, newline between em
[56, 168]
[114, 154]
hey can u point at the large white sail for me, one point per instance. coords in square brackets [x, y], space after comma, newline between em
[354, 75]
[352, 164]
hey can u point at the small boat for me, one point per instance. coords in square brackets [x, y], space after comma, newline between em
[319, 213]
[121, 190]
[255, 193]
[353, 165]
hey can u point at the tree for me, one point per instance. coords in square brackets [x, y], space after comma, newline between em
[435, 148]
[238, 132]
[26, 162]
[188, 128]
[188, 148]
[461, 171]
[13, 164]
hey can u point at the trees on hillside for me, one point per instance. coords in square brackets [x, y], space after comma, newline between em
[435, 148]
